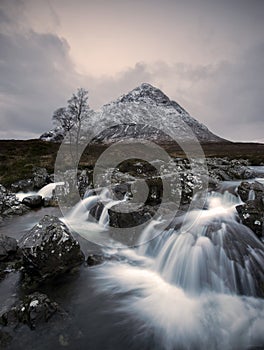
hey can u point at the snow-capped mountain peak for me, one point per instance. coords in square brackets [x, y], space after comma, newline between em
[145, 113]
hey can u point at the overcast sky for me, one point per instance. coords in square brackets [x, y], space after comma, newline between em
[208, 55]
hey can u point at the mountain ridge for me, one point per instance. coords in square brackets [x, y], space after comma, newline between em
[128, 112]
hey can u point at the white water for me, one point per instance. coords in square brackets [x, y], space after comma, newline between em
[45, 191]
[80, 220]
[194, 287]
[251, 195]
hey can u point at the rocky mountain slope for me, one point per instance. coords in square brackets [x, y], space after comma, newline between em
[145, 113]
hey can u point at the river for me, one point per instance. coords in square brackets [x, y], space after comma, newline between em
[193, 287]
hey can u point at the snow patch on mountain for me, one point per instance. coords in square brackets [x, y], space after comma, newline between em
[144, 113]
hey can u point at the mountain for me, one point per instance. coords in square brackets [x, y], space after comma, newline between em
[145, 113]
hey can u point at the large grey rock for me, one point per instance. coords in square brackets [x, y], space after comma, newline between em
[49, 250]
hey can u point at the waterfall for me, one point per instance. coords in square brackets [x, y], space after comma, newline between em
[104, 218]
[251, 195]
[47, 190]
[80, 220]
[210, 254]
[197, 285]
[21, 195]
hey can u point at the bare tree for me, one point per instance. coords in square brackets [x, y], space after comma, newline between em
[70, 118]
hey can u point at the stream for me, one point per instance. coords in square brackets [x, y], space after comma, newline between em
[192, 287]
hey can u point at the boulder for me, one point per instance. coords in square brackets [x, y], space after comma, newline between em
[95, 259]
[256, 190]
[122, 216]
[49, 250]
[252, 215]
[8, 247]
[243, 190]
[34, 310]
[34, 201]
[40, 178]
[22, 185]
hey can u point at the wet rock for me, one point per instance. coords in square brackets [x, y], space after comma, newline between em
[9, 204]
[50, 202]
[98, 259]
[34, 310]
[255, 190]
[243, 190]
[34, 201]
[23, 186]
[226, 170]
[95, 259]
[83, 182]
[120, 190]
[123, 216]
[8, 247]
[49, 250]
[252, 215]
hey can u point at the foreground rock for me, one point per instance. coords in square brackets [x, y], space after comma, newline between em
[49, 250]
[9, 204]
[35, 309]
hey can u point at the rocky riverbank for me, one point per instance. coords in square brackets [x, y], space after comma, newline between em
[49, 251]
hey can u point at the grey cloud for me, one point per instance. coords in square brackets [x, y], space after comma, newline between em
[36, 75]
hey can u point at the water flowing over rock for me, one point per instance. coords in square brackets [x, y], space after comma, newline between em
[49, 249]
[194, 286]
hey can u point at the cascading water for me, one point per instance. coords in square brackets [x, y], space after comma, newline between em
[197, 285]
[44, 192]
[47, 190]
[251, 195]
[210, 251]
[88, 226]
